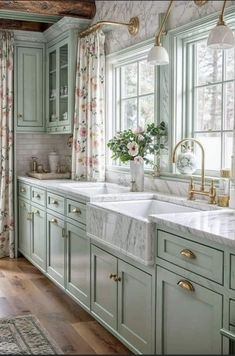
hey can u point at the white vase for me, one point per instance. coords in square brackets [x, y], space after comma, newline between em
[186, 162]
[137, 176]
[53, 159]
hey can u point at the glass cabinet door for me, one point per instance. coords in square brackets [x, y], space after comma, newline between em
[52, 87]
[63, 84]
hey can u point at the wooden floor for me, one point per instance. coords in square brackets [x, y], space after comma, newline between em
[25, 290]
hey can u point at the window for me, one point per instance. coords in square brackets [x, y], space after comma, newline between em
[131, 83]
[212, 98]
[201, 95]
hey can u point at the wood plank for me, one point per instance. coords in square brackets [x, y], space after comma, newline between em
[100, 339]
[23, 25]
[84, 9]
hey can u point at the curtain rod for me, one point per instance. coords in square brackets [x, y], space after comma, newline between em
[133, 26]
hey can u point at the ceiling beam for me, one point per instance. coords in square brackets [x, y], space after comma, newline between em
[84, 8]
[23, 25]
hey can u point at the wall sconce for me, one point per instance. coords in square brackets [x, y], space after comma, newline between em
[221, 36]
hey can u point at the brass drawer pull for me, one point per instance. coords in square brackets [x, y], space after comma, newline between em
[63, 233]
[36, 212]
[186, 285]
[117, 279]
[54, 202]
[112, 276]
[22, 190]
[38, 196]
[187, 253]
[76, 210]
[54, 221]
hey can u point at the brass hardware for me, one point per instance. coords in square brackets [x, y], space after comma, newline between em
[191, 190]
[22, 205]
[160, 32]
[36, 212]
[63, 233]
[76, 210]
[200, 3]
[29, 216]
[117, 279]
[133, 26]
[187, 253]
[54, 221]
[38, 196]
[112, 276]
[55, 202]
[19, 116]
[186, 285]
[22, 190]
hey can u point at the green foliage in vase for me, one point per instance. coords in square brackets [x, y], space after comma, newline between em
[139, 144]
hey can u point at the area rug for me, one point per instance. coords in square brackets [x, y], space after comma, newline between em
[24, 335]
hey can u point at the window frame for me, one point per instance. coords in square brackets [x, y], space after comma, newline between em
[176, 42]
[132, 54]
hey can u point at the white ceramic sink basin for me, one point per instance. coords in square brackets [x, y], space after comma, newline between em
[93, 188]
[125, 226]
[141, 209]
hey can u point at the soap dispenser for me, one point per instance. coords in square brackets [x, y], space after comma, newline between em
[33, 164]
[224, 188]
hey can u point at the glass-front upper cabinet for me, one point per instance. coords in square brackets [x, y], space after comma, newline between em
[61, 85]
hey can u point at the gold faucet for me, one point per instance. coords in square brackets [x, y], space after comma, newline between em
[192, 191]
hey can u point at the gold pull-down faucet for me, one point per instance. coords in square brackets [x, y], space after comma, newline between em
[192, 191]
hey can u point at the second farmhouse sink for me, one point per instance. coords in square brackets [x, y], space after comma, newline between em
[125, 226]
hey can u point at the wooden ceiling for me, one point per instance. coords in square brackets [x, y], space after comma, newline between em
[49, 8]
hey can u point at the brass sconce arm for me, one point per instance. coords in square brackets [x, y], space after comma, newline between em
[159, 34]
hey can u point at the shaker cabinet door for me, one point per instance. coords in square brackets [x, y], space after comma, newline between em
[38, 240]
[29, 78]
[188, 317]
[78, 264]
[24, 217]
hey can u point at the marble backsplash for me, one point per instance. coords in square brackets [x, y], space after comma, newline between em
[183, 12]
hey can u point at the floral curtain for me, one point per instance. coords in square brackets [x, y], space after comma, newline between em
[6, 145]
[88, 153]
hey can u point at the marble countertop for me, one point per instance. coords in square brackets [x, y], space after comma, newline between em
[217, 226]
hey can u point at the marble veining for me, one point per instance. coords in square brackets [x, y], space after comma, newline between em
[217, 226]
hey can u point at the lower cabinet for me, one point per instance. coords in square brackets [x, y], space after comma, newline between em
[56, 248]
[78, 263]
[188, 316]
[24, 217]
[38, 237]
[121, 295]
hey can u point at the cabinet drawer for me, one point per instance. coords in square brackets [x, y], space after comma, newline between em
[38, 196]
[55, 202]
[232, 272]
[232, 312]
[76, 211]
[200, 259]
[24, 190]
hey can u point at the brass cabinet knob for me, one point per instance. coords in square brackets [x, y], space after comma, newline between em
[117, 279]
[38, 196]
[19, 116]
[183, 283]
[54, 221]
[54, 202]
[76, 210]
[187, 253]
[22, 190]
[36, 212]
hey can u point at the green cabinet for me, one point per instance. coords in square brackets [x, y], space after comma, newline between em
[56, 248]
[38, 237]
[29, 88]
[61, 56]
[121, 296]
[78, 263]
[24, 228]
[188, 316]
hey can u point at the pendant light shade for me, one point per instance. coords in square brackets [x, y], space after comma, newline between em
[158, 56]
[221, 37]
